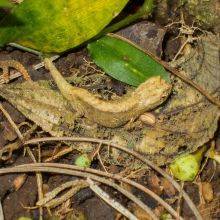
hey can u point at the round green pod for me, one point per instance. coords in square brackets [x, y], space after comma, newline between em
[186, 167]
[83, 161]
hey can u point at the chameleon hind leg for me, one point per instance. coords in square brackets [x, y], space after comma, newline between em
[7, 64]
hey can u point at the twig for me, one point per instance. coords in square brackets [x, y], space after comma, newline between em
[181, 48]
[133, 153]
[6, 152]
[60, 154]
[39, 182]
[15, 74]
[179, 200]
[18, 46]
[104, 196]
[96, 152]
[81, 173]
[11, 122]
[50, 195]
[101, 162]
[40, 65]
[1, 211]
[51, 202]
[75, 169]
[174, 71]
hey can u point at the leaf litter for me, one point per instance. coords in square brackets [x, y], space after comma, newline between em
[132, 134]
[187, 120]
[184, 123]
[135, 131]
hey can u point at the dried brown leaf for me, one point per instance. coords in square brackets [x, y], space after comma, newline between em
[188, 120]
[39, 102]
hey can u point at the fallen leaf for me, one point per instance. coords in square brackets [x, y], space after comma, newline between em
[154, 183]
[39, 102]
[188, 120]
[146, 35]
[207, 191]
[56, 26]
[19, 181]
[168, 187]
[124, 62]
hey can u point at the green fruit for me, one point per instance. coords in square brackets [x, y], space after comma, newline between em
[124, 62]
[83, 161]
[56, 26]
[186, 167]
[24, 218]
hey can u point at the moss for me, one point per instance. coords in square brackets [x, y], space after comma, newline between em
[205, 11]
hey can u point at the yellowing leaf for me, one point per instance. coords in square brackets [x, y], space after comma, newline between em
[56, 26]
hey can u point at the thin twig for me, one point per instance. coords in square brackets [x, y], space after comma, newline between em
[179, 200]
[174, 71]
[104, 174]
[60, 154]
[11, 122]
[101, 162]
[1, 211]
[81, 173]
[6, 151]
[20, 47]
[51, 202]
[114, 204]
[52, 194]
[133, 153]
[15, 74]
[40, 65]
[39, 182]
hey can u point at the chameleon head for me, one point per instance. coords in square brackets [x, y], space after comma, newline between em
[153, 91]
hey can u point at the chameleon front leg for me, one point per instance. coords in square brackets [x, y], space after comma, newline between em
[5, 65]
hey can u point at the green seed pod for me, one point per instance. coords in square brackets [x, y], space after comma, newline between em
[24, 218]
[186, 167]
[83, 161]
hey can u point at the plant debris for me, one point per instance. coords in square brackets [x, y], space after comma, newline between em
[115, 172]
[187, 121]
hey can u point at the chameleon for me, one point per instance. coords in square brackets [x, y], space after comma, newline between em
[108, 113]
[113, 113]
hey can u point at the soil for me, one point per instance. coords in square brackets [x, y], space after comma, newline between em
[16, 202]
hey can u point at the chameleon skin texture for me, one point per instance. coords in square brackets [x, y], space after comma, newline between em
[146, 97]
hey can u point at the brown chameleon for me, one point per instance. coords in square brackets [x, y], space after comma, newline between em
[146, 97]
[115, 113]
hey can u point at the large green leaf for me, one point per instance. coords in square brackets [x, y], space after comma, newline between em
[5, 3]
[54, 26]
[125, 62]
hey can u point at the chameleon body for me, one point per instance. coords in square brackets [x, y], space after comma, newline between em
[146, 97]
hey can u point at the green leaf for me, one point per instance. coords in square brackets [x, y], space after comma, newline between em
[54, 26]
[125, 62]
[5, 3]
